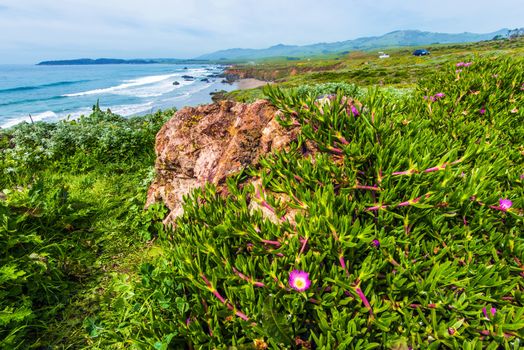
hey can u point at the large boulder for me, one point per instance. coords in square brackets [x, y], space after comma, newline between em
[207, 143]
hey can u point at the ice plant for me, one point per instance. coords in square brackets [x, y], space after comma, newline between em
[376, 243]
[482, 111]
[299, 280]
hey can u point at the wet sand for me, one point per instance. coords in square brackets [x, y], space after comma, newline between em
[244, 84]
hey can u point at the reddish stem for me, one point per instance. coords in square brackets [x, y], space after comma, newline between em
[370, 188]
[304, 243]
[275, 243]
[222, 300]
[248, 279]
[335, 150]
[364, 299]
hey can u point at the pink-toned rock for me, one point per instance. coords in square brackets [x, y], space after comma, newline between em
[207, 143]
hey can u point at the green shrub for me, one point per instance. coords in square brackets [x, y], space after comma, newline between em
[99, 138]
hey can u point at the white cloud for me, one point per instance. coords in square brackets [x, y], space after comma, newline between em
[46, 29]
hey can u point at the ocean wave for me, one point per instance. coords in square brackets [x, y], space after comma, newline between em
[129, 110]
[30, 100]
[43, 86]
[123, 110]
[149, 86]
[35, 117]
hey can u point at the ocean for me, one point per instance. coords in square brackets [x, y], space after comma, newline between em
[51, 93]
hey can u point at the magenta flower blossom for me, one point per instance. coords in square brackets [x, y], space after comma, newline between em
[482, 111]
[464, 64]
[352, 110]
[376, 243]
[493, 311]
[299, 280]
[436, 97]
[505, 204]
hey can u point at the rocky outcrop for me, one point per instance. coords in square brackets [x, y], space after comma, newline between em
[207, 143]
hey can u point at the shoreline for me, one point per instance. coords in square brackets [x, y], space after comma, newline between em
[250, 83]
[201, 96]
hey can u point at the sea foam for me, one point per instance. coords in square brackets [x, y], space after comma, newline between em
[149, 86]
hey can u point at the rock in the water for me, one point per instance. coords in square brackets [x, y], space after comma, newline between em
[176, 83]
[207, 143]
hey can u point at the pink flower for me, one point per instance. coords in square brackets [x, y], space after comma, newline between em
[352, 110]
[505, 204]
[376, 243]
[437, 96]
[493, 311]
[482, 111]
[464, 64]
[299, 280]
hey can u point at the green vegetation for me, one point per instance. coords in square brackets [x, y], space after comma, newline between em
[406, 211]
[401, 70]
[399, 224]
[71, 213]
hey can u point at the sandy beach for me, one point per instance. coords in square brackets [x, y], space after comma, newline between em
[244, 84]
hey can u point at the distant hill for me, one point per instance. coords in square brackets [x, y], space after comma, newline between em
[89, 61]
[393, 39]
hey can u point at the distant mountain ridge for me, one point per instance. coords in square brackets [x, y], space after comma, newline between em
[89, 61]
[392, 39]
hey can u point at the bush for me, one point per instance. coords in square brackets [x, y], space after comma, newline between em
[100, 138]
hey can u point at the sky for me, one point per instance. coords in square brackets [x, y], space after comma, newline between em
[35, 30]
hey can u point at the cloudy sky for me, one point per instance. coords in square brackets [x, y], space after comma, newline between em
[34, 30]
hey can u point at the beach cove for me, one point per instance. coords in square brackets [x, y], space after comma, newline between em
[51, 93]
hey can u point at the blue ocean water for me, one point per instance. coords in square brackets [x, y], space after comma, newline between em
[51, 93]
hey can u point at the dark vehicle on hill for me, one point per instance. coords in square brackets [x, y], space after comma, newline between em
[420, 52]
